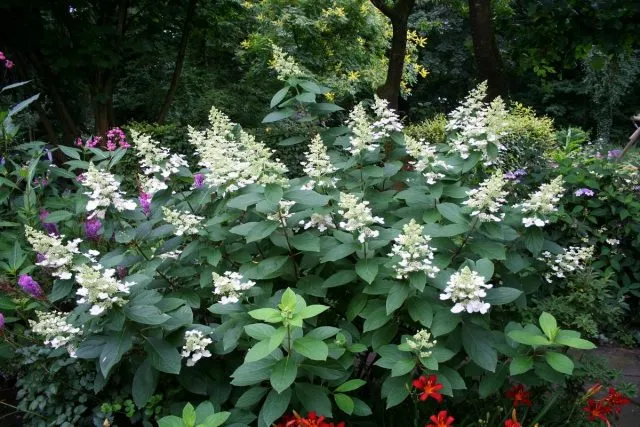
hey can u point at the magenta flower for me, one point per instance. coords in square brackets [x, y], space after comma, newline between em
[122, 272]
[145, 202]
[1, 315]
[584, 192]
[8, 64]
[198, 180]
[614, 154]
[49, 227]
[116, 137]
[92, 228]
[111, 146]
[2, 57]
[30, 286]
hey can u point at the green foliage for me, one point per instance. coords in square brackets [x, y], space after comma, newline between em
[432, 130]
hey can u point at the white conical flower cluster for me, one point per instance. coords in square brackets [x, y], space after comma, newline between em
[52, 252]
[234, 160]
[366, 134]
[487, 200]
[320, 221]
[571, 260]
[358, 217]
[105, 192]
[184, 223]
[195, 346]
[318, 165]
[282, 214]
[542, 203]
[421, 343]
[477, 124]
[284, 65]
[155, 159]
[426, 159]
[413, 249]
[54, 328]
[466, 288]
[100, 288]
[229, 286]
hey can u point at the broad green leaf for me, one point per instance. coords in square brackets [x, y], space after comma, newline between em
[350, 385]
[528, 338]
[477, 343]
[284, 374]
[274, 406]
[61, 289]
[502, 295]
[278, 115]
[402, 367]
[279, 96]
[356, 305]
[574, 342]
[444, 322]
[114, 348]
[376, 319]
[313, 398]
[533, 240]
[259, 331]
[164, 357]
[549, 325]
[520, 365]
[491, 382]
[144, 383]
[485, 268]
[288, 300]
[339, 278]
[344, 402]
[58, 216]
[396, 297]
[488, 249]
[306, 242]
[311, 348]
[395, 390]
[170, 421]
[559, 362]
[265, 347]
[146, 314]
[251, 397]
[452, 212]
[367, 270]
[270, 315]
[307, 197]
[339, 252]
[216, 420]
[189, 415]
[312, 311]
[261, 231]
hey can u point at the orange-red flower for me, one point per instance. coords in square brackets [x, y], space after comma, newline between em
[441, 420]
[593, 390]
[519, 395]
[513, 422]
[311, 420]
[615, 400]
[429, 387]
[597, 410]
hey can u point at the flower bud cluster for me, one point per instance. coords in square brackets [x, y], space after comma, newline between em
[184, 223]
[319, 221]
[100, 288]
[421, 343]
[230, 286]
[105, 192]
[426, 159]
[282, 214]
[413, 249]
[52, 253]
[54, 328]
[366, 134]
[466, 288]
[195, 346]
[542, 202]
[571, 260]
[487, 200]
[318, 165]
[358, 217]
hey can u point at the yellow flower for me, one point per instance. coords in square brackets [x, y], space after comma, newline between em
[245, 44]
[360, 41]
[353, 76]
[421, 71]
[330, 96]
[247, 4]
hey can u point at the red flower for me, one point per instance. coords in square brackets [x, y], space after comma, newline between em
[429, 387]
[312, 420]
[597, 410]
[615, 400]
[519, 395]
[442, 420]
[511, 423]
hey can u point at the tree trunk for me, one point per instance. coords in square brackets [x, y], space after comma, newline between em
[186, 31]
[399, 16]
[485, 48]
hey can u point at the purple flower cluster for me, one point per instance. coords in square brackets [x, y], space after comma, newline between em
[145, 202]
[92, 228]
[584, 192]
[30, 286]
[115, 138]
[49, 227]
[198, 180]
[92, 142]
[515, 175]
[7, 62]
[614, 154]
[1, 321]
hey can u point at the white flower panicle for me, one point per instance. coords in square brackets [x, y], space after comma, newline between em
[319, 221]
[230, 286]
[571, 260]
[53, 253]
[100, 288]
[184, 223]
[105, 192]
[466, 288]
[542, 202]
[171, 254]
[151, 185]
[426, 159]
[282, 214]
[477, 124]
[195, 346]
[487, 200]
[421, 343]
[414, 251]
[234, 160]
[358, 217]
[284, 65]
[54, 328]
[318, 165]
[387, 119]
[156, 159]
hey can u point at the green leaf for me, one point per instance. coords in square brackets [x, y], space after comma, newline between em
[61, 289]
[520, 365]
[261, 230]
[306, 242]
[339, 252]
[350, 385]
[115, 347]
[144, 383]
[502, 295]
[265, 268]
[284, 374]
[534, 240]
[251, 397]
[259, 331]
[325, 107]
[245, 200]
[58, 216]
[376, 319]
[339, 278]
[189, 415]
[288, 300]
[477, 342]
[488, 249]
[274, 406]
[279, 96]
[292, 140]
[485, 268]
[278, 115]
[421, 311]
[204, 410]
[313, 398]
[270, 315]
[164, 357]
[146, 314]
[492, 382]
[397, 296]
[451, 212]
[344, 402]
[307, 197]
[523, 336]
[402, 367]
[395, 390]
[367, 270]
[311, 348]
[265, 347]
[574, 342]
[549, 325]
[216, 420]
[356, 305]
[170, 421]
[312, 311]
[444, 322]
[559, 362]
